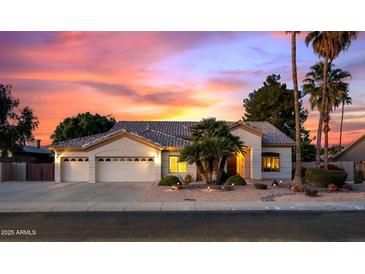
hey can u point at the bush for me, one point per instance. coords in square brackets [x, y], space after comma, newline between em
[236, 180]
[322, 178]
[260, 186]
[187, 179]
[169, 181]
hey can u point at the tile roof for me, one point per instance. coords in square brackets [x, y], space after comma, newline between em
[172, 133]
[41, 150]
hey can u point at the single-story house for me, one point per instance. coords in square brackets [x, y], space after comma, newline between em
[148, 150]
[355, 152]
[32, 152]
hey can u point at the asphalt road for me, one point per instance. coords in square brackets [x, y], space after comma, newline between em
[183, 226]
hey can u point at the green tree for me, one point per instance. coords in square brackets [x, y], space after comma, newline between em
[273, 102]
[211, 144]
[16, 125]
[328, 45]
[337, 91]
[84, 124]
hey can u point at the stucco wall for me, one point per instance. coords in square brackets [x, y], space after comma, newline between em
[254, 142]
[121, 147]
[165, 165]
[285, 163]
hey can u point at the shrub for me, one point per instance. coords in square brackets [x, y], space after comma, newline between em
[236, 180]
[260, 186]
[322, 178]
[187, 179]
[169, 181]
[333, 167]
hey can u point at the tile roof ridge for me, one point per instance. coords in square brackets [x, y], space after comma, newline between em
[163, 133]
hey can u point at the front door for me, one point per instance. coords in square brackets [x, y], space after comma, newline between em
[232, 165]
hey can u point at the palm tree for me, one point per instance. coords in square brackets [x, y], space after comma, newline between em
[337, 84]
[346, 99]
[329, 45]
[211, 145]
[298, 157]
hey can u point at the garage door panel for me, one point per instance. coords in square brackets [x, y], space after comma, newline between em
[125, 169]
[75, 169]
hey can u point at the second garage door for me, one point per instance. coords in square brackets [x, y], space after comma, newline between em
[125, 169]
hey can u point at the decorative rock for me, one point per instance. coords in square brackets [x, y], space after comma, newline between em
[311, 192]
[332, 187]
[296, 188]
[260, 186]
[347, 187]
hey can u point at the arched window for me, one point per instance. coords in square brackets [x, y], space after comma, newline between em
[150, 160]
[129, 160]
[107, 160]
[115, 159]
[101, 160]
[122, 159]
[73, 160]
[80, 160]
[66, 160]
[136, 160]
[87, 160]
[143, 160]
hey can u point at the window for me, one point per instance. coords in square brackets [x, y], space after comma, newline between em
[270, 162]
[66, 160]
[176, 166]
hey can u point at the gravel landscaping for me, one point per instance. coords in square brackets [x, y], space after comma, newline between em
[198, 192]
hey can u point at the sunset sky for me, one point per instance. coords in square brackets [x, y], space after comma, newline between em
[161, 75]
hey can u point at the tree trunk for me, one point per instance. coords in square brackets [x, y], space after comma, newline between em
[319, 140]
[221, 168]
[215, 173]
[325, 110]
[298, 155]
[343, 110]
[199, 165]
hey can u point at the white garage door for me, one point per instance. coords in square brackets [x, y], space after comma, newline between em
[75, 169]
[125, 169]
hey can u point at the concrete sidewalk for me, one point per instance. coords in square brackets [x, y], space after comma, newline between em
[188, 206]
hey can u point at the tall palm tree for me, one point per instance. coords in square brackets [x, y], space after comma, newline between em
[346, 99]
[328, 45]
[298, 155]
[337, 84]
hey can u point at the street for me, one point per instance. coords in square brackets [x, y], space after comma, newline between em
[183, 226]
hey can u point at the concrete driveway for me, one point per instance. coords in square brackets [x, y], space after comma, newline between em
[49, 192]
